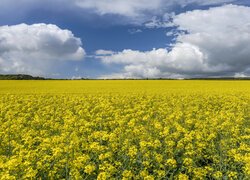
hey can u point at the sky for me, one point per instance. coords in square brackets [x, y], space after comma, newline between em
[125, 38]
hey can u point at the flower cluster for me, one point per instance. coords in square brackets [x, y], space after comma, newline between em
[159, 132]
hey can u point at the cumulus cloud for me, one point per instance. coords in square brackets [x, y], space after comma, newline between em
[212, 42]
[135, 7]
[136, 11]
[142, 11]
[35, 48]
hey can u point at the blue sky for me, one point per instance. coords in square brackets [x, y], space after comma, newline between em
[141, 38]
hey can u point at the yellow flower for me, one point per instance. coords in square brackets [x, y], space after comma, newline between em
[102, 176]
[132, 151]
[217, 175]
[127, 174]
[188, 162]
[161, 173]
[149, 178]
[232, 175]
[143, 173]
[171, 163]
[89, 168]
[182, 177]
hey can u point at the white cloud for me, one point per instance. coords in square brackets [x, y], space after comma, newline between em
[140, 11]
[134, 31]
[184, 3]
[136, 7]
[35, 48]
[101, 52]
[76, 77]
[130, 8]
[155, 22]
[136, 11]
[216, 42]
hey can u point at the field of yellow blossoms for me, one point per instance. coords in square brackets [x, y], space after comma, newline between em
[125, 129]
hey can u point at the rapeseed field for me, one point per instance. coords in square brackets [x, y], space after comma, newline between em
[125, 129]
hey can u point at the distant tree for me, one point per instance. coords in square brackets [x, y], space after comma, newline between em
[19, 77]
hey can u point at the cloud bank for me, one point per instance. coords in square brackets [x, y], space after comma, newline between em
[138, 7]
[135, 11]
[214, 42]
[36, 48]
